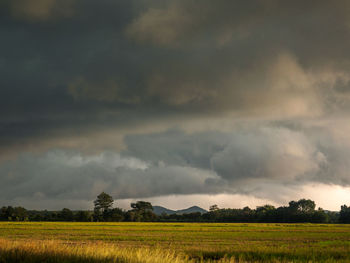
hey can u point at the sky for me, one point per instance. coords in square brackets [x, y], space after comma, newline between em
[178, 102]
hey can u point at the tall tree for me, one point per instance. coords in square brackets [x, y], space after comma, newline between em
[103, 203]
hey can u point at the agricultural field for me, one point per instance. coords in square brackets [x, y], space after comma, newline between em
[173, 242]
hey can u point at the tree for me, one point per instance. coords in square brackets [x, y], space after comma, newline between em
[344, 215]
[319, 216]
[265, 213]
[4, 215]
[142, 211]
[20, 214]
[133, 216]
[301, 211]
[114, 215]
[83, 216]
[13, 214]
[213, 208]
[103, 204]
[66, 215]
[142, 206]
[303, 205]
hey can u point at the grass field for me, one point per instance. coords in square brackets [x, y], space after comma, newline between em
[173, 242]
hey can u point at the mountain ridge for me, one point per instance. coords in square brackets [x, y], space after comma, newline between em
[158, 210]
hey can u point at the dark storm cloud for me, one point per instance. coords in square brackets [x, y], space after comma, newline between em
[65, 63]
[68, 175]
[176, 148]
[41, 57]
[276, 153]
[83, 75]
[270, 158]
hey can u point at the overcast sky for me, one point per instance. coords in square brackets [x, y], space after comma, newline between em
[179, 102]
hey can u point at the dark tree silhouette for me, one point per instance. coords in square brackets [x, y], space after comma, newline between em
[142, 211]
[103, 202]
[103, 205]
[142, 206]
[66, 215]
[303, 205]
[344, 215]
[213, 208]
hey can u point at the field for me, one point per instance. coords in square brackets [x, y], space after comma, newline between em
[173, 242]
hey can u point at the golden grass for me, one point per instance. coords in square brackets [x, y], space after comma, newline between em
[55, 251]
[51, 242]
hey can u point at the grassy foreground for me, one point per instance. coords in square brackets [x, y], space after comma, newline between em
[168, 242]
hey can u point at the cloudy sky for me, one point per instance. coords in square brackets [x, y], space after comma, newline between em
[185, 102]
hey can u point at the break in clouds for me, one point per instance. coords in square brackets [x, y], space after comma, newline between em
[146, 99]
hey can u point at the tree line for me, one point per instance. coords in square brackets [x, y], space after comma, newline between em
[300, 211]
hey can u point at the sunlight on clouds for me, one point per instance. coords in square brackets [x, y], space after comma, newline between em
[328, 197]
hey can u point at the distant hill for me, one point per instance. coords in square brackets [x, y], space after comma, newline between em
[192, 209]
[158, 210]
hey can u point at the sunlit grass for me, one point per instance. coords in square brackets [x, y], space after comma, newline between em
[55, 251]
[171, 242]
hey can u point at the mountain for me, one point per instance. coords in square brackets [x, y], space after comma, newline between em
[158, 210]
[192, 209]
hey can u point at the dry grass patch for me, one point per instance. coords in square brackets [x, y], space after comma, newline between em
[52, 251]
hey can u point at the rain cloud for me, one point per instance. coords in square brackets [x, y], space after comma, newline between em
[152, 98]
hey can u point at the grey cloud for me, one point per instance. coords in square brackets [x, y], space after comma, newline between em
[263, 59]
[240, 53]
[67, 175]
[174, 147]
[82, 74]
[275, 153]
[278, 153]
[270, 158]
[270, 23]
[41, 10]
[247, 156]
[181, 22]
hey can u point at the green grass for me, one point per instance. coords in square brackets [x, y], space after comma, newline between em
[186, 242]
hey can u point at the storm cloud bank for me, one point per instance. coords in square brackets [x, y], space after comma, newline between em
[152, 98]
[262, 163]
